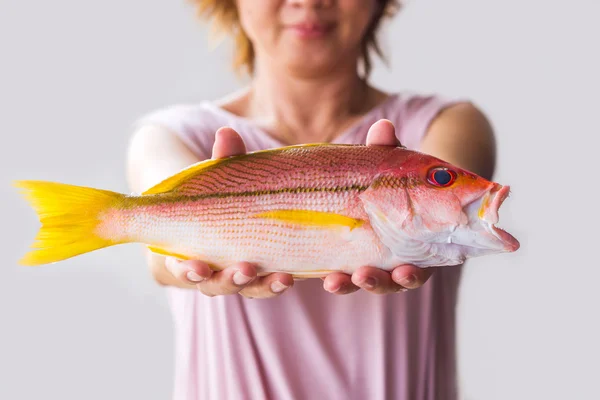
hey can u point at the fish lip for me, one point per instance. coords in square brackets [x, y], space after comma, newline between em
[510, 242]
[488, 213]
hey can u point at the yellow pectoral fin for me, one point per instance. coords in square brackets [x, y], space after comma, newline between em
[312, 218]
[167, 253]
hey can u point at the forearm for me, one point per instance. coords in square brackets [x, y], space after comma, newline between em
[155, 154]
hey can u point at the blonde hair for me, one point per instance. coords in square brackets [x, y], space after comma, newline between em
[224, 15]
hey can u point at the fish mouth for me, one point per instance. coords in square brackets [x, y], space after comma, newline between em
[488, 214]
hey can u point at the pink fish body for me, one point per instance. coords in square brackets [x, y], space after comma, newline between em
[306, 210]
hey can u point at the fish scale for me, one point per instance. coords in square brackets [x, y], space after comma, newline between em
[218, 229]
[324, 167]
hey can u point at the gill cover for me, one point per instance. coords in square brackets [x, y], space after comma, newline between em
[391, 215]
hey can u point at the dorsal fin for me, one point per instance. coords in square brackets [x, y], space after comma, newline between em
[175, 180]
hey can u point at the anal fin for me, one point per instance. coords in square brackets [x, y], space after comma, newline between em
[164, 252]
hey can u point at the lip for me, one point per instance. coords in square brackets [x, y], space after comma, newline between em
[491, 203]
[488, 212]
[311, 29]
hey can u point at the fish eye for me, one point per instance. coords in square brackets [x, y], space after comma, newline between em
[441, 177]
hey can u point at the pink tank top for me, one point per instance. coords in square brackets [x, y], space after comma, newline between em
[308, 343]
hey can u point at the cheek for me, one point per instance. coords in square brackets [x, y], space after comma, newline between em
[357, 7]
[355, 18]
[437, 210]
[257, 18]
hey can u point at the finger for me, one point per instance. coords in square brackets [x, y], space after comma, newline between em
[410, 276]
[382, 133]
[339, 283]
[228, 281]
[268, 286]
[375, 280]
[227, 143]
[191, 272]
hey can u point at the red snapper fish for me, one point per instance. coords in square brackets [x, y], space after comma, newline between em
[307, 210]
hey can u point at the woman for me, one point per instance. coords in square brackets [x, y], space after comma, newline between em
[316, 341]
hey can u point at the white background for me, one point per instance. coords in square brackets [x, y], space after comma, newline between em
[75, 74]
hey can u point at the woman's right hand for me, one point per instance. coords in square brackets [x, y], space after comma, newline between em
[240, 278]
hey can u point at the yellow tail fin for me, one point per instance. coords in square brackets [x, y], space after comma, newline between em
[69, 216]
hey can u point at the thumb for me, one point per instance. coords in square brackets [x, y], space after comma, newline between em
[227, 143]
[382, 133]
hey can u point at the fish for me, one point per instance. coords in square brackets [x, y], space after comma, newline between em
[306, 210]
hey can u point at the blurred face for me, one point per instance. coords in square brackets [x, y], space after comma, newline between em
[307, 37]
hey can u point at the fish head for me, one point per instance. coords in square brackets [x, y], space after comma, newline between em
[430, 212]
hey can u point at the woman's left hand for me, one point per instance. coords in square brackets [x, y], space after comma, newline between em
[377, 281]
[372, 279]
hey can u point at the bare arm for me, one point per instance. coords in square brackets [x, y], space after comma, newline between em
[155, 154]
[463, 136]
[460, 135]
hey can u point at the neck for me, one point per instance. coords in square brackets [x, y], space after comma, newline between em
[296, 109]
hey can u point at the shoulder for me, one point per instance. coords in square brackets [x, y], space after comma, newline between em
[192, 124]
[462, 135]
[165, 140]
[462, 121]
[451, 128]
[413, 114]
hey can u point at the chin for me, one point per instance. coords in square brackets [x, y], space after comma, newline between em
[314, 67]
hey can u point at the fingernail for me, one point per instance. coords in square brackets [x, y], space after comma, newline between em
[331, 289]
[194, 277]
[278, 287]
[368, 283]
[408, 281]
[240, 279]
